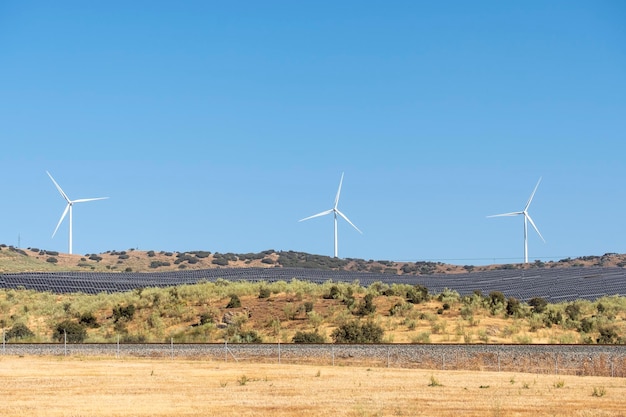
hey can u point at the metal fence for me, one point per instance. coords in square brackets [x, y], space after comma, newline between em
[596, 360]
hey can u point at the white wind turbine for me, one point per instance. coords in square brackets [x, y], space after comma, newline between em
[335, 212]
[70, 203]
[527, 218]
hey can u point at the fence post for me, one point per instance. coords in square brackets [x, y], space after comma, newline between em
[556, 363]
[498, 353]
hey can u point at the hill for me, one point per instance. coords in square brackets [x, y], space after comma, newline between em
[40, 260]
[288, 310]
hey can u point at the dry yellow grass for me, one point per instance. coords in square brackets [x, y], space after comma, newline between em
[73, 386]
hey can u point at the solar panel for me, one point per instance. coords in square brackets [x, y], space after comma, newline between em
[564, 284]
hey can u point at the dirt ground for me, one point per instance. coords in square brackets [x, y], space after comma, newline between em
[74, 386]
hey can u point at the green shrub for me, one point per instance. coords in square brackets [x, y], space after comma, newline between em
[248, 336]
[234, 302]
[367, 306]
[88, 320]
[417, 294]
[496, 298]
[123, 312]
[538, 304]
[157, 264]
[75, 332]
[573, 311]
[18, 331]
[264, 292]
[308, 337]
[220, 261]
[513, 306]
[52, 260]
[355, 332]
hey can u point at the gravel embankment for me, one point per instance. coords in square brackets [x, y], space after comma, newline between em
[605, 360]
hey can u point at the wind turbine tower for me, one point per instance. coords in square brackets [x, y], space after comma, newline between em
[68, 208]
[527, 219]
[335, 211]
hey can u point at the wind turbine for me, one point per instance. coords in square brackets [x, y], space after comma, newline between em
[527, 218]
[70, 203]
[335, 212]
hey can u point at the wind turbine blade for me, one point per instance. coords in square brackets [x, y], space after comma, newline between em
[532, 195]
[535, 227]
[317, 215]
[61, 219]
[338, 191]
[84, 200]
[515, 213]
[59, 188]
[348, 220]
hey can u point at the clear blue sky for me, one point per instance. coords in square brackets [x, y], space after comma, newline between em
[218, 125]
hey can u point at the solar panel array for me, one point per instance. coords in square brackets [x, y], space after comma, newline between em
[553, 284]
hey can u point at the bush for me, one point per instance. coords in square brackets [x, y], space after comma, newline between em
[538, 304]
[18, 331]
[367, 306]
[573, 311]
[156, 264]
[248, 336]
[123, 312]
[513, 306]
[234, 302]
[333, 293]
[88, 320]
[354, 332]
[76, 333]
[52, 260]
[417, 294]
[308, 337]
[496, 298]
[220, 261]
[264, 292]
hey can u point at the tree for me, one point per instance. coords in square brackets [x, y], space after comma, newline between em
[417, 294]
[19, 331]
[512, 306]
[538, 304]
[496, 298]
[367, 306]
[354, 332]
[75, 332]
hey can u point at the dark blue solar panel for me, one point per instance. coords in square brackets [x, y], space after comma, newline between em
[564, 284]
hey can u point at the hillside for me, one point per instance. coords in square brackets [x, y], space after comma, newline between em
[282, 310]
[40, 260]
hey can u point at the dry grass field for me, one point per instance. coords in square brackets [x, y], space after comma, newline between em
[74, 386]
